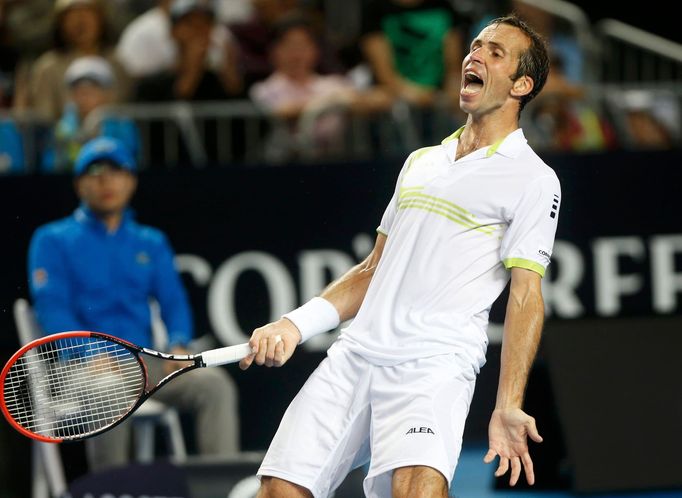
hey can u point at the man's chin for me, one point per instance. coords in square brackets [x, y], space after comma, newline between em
[466, 106]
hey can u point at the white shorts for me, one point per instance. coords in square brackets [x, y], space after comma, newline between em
[350, 412]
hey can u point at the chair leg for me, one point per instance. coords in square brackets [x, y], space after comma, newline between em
[39, 487]
[177, 442]
[144, 441]
[50, 461]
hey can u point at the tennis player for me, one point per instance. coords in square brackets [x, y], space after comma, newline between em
[467, 215]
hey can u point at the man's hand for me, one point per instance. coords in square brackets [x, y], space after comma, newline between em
[267, 349]
[508, 432]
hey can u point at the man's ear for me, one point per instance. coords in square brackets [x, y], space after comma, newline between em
[522, 86]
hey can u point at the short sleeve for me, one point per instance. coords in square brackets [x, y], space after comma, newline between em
[389, 213]
[529, 239]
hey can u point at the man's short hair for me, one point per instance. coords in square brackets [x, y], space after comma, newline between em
[533, 62]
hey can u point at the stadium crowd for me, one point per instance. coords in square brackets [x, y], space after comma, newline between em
[67, 63]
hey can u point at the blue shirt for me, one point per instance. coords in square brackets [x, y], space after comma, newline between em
[83, 277]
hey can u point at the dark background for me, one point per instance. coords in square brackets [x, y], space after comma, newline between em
[658, 17]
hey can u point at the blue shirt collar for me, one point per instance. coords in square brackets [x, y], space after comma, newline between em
[84, 215]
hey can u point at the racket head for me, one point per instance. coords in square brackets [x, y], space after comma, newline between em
[71, 386]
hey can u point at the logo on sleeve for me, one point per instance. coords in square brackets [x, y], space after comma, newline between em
[39, 277]
[142, 258]
[555, 206]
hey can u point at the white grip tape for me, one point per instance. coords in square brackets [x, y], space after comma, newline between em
[229, 354]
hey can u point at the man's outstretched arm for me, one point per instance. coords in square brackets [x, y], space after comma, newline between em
[345, 294]
[510, 426]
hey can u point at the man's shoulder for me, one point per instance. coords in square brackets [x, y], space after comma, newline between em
[58, 229]
[533, 165]
[430, 151]
[148, 233]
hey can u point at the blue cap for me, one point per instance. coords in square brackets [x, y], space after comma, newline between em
[104, 149]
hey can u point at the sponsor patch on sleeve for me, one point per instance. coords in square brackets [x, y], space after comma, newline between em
[39, 277]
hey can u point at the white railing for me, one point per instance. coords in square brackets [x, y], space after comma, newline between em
[630, 54]
[197, 134]
[222, 133]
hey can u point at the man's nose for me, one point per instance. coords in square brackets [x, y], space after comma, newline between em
[476, 55]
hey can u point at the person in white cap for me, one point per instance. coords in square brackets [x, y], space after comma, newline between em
[91, 85]
[147, 47]
[81, 28]
[198, 70]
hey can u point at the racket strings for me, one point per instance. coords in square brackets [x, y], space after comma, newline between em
[73, 387]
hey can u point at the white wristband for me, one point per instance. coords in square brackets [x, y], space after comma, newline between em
[315, 317]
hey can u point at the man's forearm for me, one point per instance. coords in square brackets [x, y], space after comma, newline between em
[347, 292]
[522, 330]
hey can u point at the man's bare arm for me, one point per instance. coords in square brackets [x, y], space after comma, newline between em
[345, 294]
[348, 292]
[509, 425]
[378, 52]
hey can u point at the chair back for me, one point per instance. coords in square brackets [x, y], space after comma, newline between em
[28, 328]
[48, 470]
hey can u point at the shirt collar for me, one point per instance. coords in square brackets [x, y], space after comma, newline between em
[83, 214]
[510, 146]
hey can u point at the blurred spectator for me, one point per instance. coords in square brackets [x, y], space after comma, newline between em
[29, 25]
[649, 119]
[414, 47]
[562, 118]
[147, 46]
[8, 59]
[11, 147]
[311, 105]
[195, 74]
[234, 11]
[80, 29]
[91, 84]
[11, 144]
[253, 37]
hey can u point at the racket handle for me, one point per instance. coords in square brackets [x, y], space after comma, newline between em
[222, 356]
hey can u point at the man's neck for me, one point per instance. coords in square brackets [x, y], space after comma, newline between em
[482, 132]
[300, 77]
[112, 221]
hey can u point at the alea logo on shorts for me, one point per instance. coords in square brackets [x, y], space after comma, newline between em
[420, 430]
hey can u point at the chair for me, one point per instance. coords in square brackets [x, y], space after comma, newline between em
[47, 469]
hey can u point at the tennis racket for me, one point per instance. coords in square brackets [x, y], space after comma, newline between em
[74, 385]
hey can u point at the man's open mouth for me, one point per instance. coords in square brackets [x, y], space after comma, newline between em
[473, 83]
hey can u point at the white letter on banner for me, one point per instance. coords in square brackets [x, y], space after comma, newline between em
[221, 303]
[559, 287]
[314, 266]
[609, 285]
[665, 281]
[197, 267]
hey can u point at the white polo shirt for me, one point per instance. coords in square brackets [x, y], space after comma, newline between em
[454, 229]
